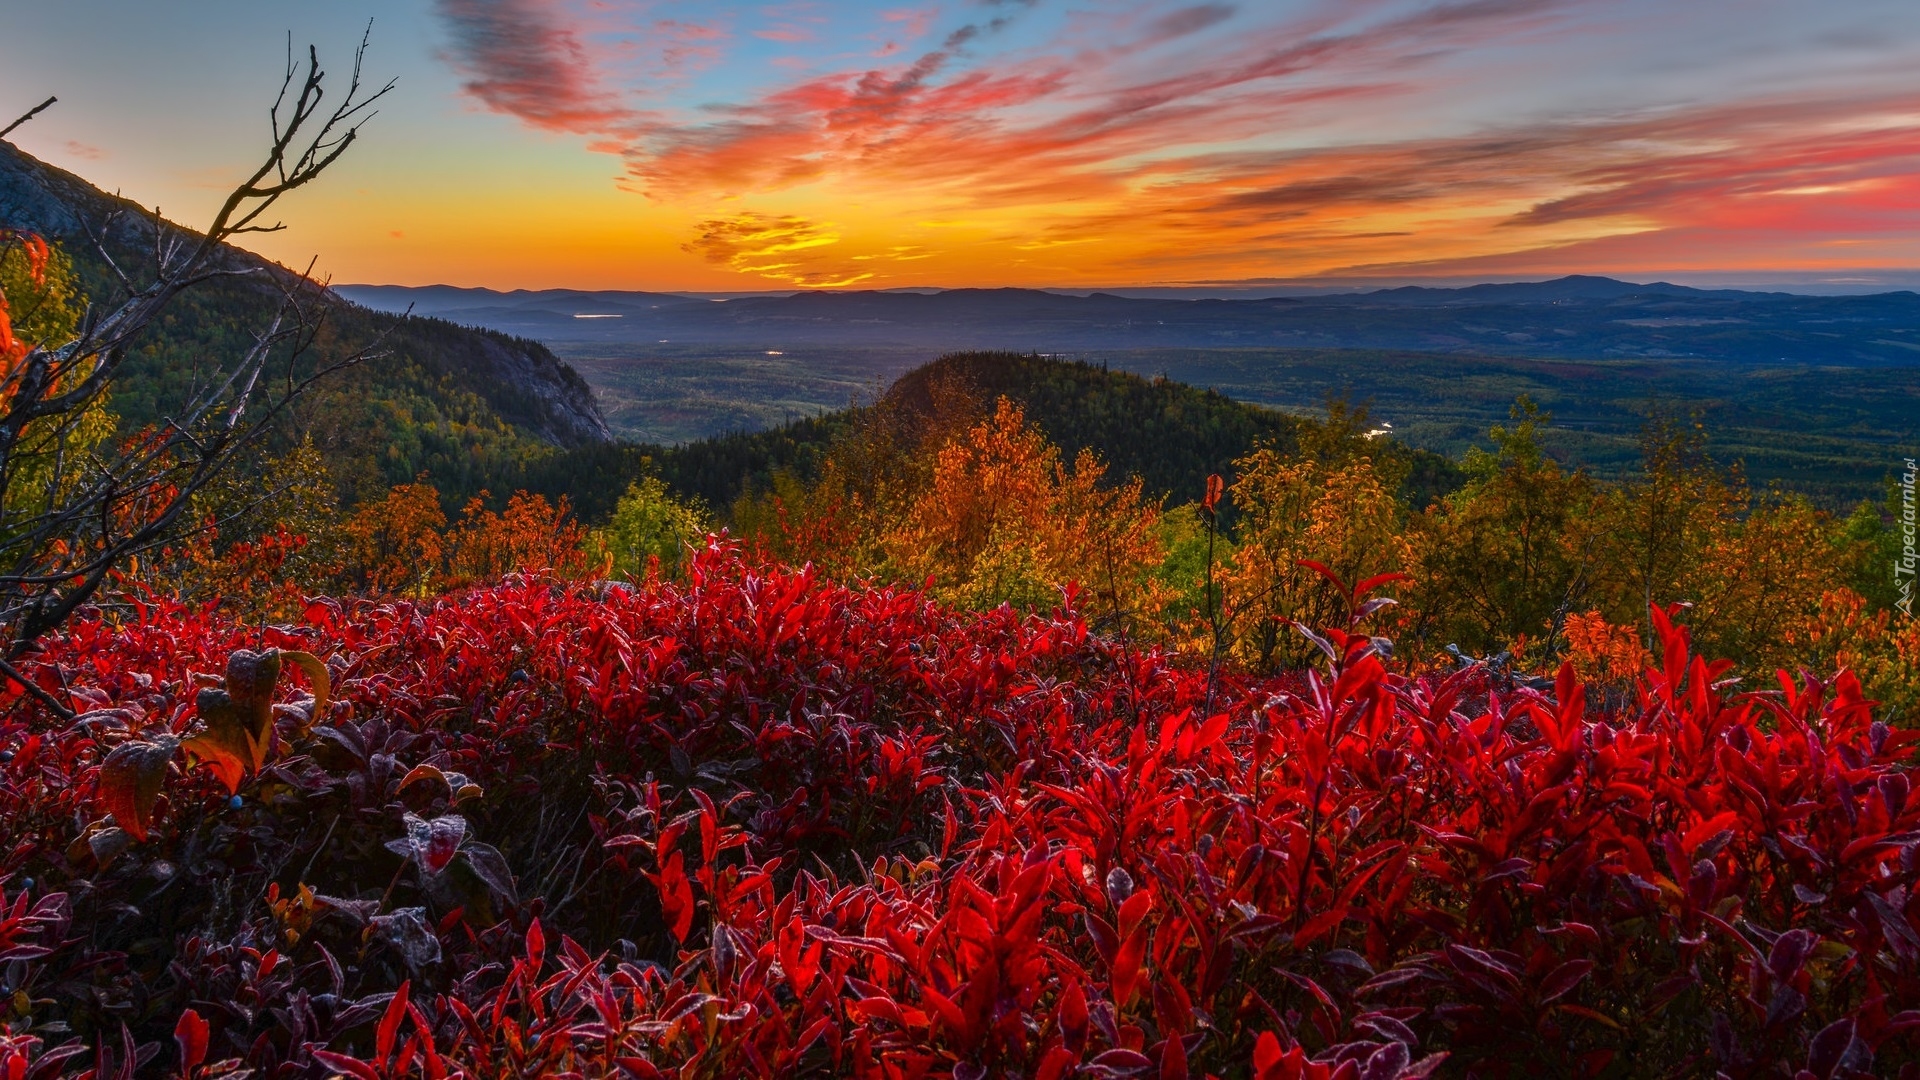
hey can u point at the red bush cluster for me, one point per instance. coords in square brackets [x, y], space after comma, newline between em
[757, 824]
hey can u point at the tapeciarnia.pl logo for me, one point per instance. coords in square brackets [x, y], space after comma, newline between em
[1903, 567]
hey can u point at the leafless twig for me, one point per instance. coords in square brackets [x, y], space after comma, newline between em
[28, 115]
[91, 508]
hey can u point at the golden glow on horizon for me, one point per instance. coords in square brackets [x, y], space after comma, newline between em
[1093, 156]
[1713, 210]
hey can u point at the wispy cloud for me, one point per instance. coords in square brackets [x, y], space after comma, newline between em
[1162, 138]
[523, 57]
[1682, 188]
[685, 45]
[1189, 20]
[785, 248]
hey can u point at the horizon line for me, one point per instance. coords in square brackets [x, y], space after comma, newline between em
[1851, 282]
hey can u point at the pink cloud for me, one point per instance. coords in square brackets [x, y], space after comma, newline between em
[1038, 123]
[685, 47]
[914, 22]
[522, 57]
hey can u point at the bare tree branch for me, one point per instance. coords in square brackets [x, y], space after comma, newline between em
[91, 511]
[30, 114]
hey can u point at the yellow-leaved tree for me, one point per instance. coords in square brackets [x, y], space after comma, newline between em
[40, 300]
[1332, 506]
[1751, 569]
[1003, 519]
[650, 529]
[1758, 588]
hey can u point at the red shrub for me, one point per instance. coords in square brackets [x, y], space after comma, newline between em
[757, 824]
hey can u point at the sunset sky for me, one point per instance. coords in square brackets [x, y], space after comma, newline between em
[1073, 143]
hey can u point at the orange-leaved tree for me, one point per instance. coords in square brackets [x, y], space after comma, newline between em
[978, 503]
[530, 535]
[1603, 652]
[395, 545]
[1003, 519]
[1881, 647]
[402, 544]
[841, 519]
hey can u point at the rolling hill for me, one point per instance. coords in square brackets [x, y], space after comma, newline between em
[1168, 433]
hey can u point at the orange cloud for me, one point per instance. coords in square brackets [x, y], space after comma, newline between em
[1121, 151]
[784, 249]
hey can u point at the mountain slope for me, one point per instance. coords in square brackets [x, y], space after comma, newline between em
[457, 404]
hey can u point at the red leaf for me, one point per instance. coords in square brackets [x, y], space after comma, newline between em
[433, 844]
[1377, 581]
[1126, 965]
[536, 943]
[950, 1014]
[1054, 1064]
[1321, 569]
[1173, 1058]
[1073, 1016]
[1123, 1058]
[1267, 1055]
[1561, 980]
[384, 1035]
[344, 1063]
[191, 1036]
[1133, 909]
[130, 781]
[676, 897]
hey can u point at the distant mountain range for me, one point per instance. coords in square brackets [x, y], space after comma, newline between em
[1571, 317]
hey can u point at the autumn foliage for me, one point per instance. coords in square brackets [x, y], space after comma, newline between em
[758, 824]
[977, 504]
[968, 760]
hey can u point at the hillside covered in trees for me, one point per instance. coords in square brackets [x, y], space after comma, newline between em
[465, 408]
[1170, 435]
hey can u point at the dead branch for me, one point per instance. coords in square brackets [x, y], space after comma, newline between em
[28, 115]
[60, 545]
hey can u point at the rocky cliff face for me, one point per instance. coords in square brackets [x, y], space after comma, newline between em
[553, 402]
[527, 386]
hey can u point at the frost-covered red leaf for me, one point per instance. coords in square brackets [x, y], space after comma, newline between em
[131, 778]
